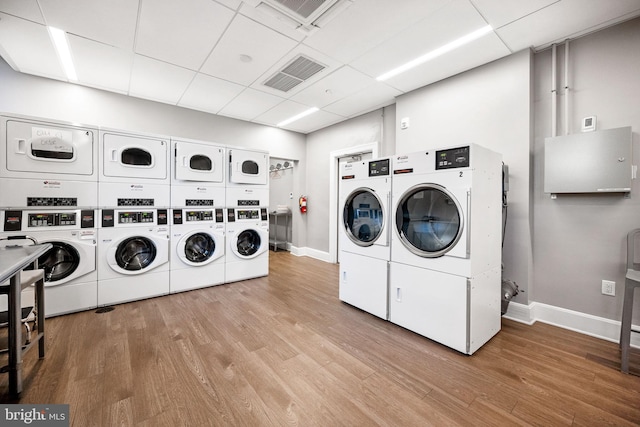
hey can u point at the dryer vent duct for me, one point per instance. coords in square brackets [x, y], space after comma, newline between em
[294, 73]
[509, 290]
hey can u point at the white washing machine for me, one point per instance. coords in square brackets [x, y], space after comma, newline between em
[69, 266]
[46, 163]
[365, 198]
[247, 233]
[197, 248]
[134, 170]
[445, 250]
[248, 167]
[133, 254]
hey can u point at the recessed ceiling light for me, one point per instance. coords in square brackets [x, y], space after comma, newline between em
[437, 52]
[60, 42]
[245, 58]
[298, 116]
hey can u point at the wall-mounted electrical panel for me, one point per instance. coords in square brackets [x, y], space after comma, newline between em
[590, 162]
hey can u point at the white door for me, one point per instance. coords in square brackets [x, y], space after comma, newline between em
[248, 167]
[128, 156]
[198, 162]
[48, 148]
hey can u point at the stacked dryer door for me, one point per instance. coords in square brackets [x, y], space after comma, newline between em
[48, 192]
[198, 223]
[446, 253]
[247, 227]
[47, 164]
[365, 193]
[134, 197]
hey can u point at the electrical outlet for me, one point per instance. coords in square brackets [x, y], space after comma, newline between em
[609, 288]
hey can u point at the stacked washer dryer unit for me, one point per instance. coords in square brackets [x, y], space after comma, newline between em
[133, 234]
[445, 253]
[197, 256]
[48, 194]
[365, 197]
[247, 227]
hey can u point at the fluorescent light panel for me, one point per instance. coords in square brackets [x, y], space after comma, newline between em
[437, 52]
[298, 116]
[61, 44]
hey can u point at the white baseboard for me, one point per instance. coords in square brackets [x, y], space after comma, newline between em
[587, 324]
[310, 252]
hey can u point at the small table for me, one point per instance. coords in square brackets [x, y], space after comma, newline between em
[275, 241]
[14, 259]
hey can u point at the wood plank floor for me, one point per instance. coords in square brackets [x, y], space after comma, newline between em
[283, 350]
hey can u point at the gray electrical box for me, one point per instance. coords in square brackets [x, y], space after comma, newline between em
[590, 162]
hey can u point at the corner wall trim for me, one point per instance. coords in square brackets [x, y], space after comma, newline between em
[598, 327]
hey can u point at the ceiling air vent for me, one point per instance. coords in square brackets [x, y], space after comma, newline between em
[296, 72]
[304, 15]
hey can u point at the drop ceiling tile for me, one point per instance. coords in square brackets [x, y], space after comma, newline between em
[27, 9]
[231, 4]
[281, 112]
[451, 22]
[250, 104]
[100, 65]
[476, 53]
[26, 46]
[112, 22]
[566, 19]
[367, 24]
[158, 81]
[373, 96]
[335, 86]
[209, 94]
[280, 26]
[182, 33]
[318, 120]
[246, 37]
[500, 12]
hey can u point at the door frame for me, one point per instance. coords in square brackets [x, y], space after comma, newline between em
[371, 147]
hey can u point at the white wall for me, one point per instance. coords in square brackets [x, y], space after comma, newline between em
[490, 106]
[51, 99]
[580, 239]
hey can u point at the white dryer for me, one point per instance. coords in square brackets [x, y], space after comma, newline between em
[134, 170]
[45, 163]
[365, 198]
[69, 266]
[133, 254]
[247, 236]
[197, 162]
[446, 251]
[197, 248]
[248, 167]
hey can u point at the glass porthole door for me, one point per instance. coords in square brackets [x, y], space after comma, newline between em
[199, 248]
[429, 220]
[363, 217]
[135, 253]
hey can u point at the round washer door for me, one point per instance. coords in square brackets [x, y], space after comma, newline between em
[197, 248]
[134, 254]
[429, 220]
[363, 217]
[59, 262]
[248, 244]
